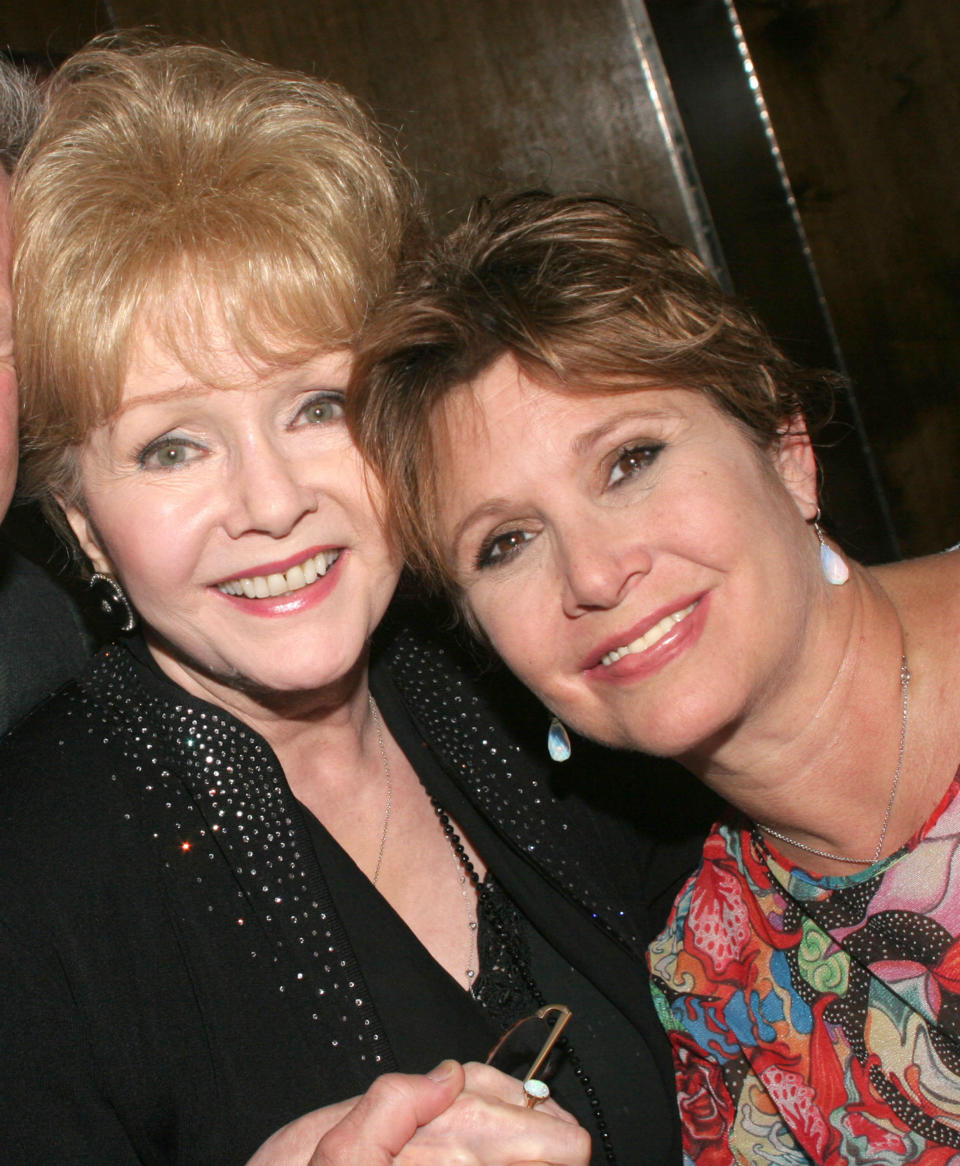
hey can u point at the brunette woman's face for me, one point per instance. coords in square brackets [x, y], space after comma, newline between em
[239, 521]
[633, 556]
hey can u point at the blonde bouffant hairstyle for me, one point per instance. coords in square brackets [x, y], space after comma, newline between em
[168, 184]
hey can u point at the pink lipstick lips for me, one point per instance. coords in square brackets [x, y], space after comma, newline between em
[651, 643]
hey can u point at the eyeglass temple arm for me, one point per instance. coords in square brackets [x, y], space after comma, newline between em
[563, 1019]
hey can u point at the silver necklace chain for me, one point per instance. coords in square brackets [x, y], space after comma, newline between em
[375, 713]
[905, 703]
[471, 961]
[472, 953]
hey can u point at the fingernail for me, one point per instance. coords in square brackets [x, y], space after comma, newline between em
[443, 1071]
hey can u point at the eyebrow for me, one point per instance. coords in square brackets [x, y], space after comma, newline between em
[585, 441]
[488, 509]
[325, 382]
[187, 389]
[580, 445]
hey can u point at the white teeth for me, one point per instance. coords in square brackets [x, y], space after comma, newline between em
[649, 638]
[298, 576]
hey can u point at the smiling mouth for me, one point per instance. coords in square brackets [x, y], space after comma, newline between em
[281, 583]
[649, 637]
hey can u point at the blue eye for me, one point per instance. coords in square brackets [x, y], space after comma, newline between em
[502, 548]
[322, 409]
[632, 461]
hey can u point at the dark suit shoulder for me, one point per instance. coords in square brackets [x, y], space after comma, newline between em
[43, 640]
[68, 809]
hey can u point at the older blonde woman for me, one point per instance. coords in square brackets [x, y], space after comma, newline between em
[609, 463]
[253, 862]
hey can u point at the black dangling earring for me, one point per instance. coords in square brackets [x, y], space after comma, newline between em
[558, 741]
[112, 603]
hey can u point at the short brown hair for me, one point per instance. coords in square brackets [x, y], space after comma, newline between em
[159, 166]
[586, 294]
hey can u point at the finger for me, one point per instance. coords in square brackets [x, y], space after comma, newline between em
[387, 1116]
[487, 1131]
[491, 1082]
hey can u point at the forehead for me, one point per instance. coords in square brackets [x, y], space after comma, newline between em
[505, 399]
[167, 358]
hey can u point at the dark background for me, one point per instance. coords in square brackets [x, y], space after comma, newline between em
[854, 260]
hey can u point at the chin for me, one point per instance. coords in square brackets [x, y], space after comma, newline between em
[675, 733]
[291, 681]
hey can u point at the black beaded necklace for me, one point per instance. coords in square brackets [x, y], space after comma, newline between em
[510, 943]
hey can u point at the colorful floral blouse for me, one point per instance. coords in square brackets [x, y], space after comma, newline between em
[817, 1019]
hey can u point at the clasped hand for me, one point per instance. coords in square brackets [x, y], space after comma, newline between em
[457, 1115]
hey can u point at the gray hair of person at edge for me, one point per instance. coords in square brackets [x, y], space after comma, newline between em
[20, 110]
[588, 296]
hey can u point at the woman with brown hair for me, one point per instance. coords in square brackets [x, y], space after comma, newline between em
[609, 463]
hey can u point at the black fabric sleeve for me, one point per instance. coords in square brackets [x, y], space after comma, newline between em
[47, 1070]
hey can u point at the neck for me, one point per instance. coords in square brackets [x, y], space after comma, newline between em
[816, 762]
[323, 738]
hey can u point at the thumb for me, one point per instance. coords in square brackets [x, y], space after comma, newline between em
[388, 1115]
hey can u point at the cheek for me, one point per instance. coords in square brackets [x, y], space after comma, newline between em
[150, 546]
[519, 628]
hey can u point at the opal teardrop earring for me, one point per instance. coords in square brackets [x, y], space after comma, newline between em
[833, 565]
[558, 741]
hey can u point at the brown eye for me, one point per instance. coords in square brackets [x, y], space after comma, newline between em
[502, 547]
[632, 461]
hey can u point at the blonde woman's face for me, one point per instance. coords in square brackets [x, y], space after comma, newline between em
[240, 522]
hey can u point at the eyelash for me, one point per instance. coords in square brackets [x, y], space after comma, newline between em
[485, 559]
[646, 453]
[143, 458]
[171, 442]
[323, 398]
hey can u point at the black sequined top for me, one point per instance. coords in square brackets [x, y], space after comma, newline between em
[178, 981]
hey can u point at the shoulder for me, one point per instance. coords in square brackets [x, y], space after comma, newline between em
[66, 800]
[925, 590]
[714, 916]
[453, 688]
[926, 594]
[645, 815]
[43, 641]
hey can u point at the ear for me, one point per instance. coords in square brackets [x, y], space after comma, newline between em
[87, 537]
[796, 465]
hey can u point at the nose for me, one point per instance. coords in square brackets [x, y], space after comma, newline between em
[598, 561]
[267, 492]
